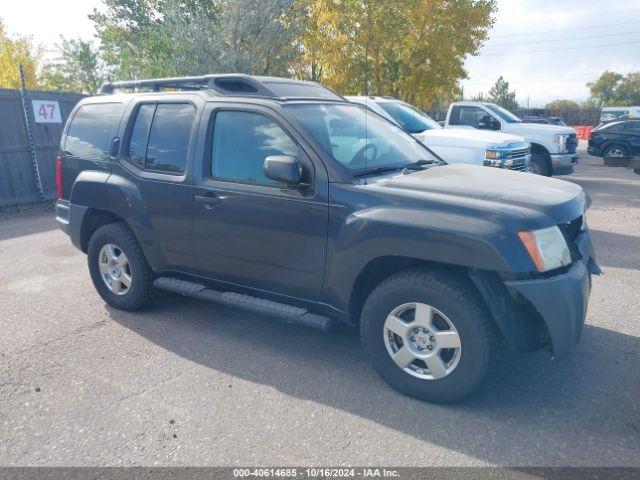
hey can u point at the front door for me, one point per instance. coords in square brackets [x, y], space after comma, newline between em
[250, 230]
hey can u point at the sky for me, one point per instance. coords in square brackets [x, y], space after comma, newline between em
[545, 49]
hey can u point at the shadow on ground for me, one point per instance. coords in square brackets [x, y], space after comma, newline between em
[575, 407]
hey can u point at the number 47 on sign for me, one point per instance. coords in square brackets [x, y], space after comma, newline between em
[46, 111]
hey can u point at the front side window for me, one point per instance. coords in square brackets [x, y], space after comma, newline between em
[412, 120]
[357, 139]
[242, 141]
[90, 132]
[160, 136]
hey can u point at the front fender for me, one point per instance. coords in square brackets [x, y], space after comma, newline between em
[426, 235]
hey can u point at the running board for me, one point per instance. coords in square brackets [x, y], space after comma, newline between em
[288, 313]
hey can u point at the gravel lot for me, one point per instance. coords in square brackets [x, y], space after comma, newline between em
[191, 383]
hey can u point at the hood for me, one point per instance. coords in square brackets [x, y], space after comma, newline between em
[470, 136]
[537, 200]
[544, 128]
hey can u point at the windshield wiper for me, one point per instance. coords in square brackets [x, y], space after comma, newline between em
[418, 164]
[388, 168]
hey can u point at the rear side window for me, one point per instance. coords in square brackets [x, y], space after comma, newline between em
[140, 134]
[160, 136]
[242, 141]
[90, 132]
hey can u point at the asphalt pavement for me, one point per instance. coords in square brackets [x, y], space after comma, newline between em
[191, 383]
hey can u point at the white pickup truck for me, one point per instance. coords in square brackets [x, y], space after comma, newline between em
[492, 149]
[553, 147]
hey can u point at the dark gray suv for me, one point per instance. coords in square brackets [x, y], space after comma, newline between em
[278, 196]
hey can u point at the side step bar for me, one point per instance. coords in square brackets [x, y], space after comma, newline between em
[288, 313]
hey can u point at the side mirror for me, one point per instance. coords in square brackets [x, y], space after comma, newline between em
[282, 168]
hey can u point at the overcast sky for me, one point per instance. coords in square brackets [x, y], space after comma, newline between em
[546, 49]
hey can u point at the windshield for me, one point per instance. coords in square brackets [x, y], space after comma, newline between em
[505, 115]
[412, 120]
[357, 138]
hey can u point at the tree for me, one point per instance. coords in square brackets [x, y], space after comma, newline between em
[414, 49]
[501, 95]
[603, 90]
[628, 90]
[78, 68]
[16, 51]
[562, 105]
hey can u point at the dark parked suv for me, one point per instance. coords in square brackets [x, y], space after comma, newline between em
[280, 197]
[615, 139]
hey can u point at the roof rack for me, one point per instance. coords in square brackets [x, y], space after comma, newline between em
[231, 85]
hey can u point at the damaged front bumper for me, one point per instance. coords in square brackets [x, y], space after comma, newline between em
[541, 312]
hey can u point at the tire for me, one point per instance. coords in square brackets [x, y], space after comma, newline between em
[450, 297]
[615, 150]
[105, 253]
[540, 164]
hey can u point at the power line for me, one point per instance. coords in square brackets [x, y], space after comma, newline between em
[562, 30]
[561, 39]
[559, 49]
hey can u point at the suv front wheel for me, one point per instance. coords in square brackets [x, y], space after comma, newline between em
[429, 335]
[119, 269]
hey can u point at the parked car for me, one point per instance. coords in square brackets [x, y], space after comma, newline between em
[493, 149]
[553, 147]
[545, 120]
[278, 196]
[615, 139]
[608, 114]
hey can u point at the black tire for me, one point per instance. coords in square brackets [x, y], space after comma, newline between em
[611, 148]
[454, 297]
[541, 163]
[141, 292]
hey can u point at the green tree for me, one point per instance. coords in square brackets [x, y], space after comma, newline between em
[78, 68]
[603, 90]
[16, 51]
[501, 95]
[562, 105]
[628, 90]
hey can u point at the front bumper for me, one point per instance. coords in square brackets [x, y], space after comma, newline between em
[564, 161]
[561, 300]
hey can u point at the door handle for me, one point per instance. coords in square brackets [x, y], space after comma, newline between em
[208, 201]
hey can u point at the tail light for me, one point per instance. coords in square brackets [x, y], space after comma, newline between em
[59, 176]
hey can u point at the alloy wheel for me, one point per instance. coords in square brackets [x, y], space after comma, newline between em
[422, 341]
[115, 269]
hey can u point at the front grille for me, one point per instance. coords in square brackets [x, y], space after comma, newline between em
[519, 158]
[572, 143]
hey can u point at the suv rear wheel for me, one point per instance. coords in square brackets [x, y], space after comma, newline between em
[119, 269]
[429, 335]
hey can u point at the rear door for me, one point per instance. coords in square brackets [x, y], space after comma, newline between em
[250, 230]
[156, 157]
[632, 131]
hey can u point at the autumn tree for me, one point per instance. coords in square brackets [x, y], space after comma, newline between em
[16, 51]
[77, 68]
[501, 95]
[414, 49]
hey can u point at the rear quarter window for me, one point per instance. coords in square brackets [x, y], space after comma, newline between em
[91, 129]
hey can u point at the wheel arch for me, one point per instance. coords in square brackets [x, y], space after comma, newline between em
[383, 267]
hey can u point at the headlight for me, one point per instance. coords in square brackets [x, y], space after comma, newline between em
[561, 141]
[492, 154]
[547, 248]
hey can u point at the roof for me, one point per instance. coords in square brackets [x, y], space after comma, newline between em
[233, 85]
